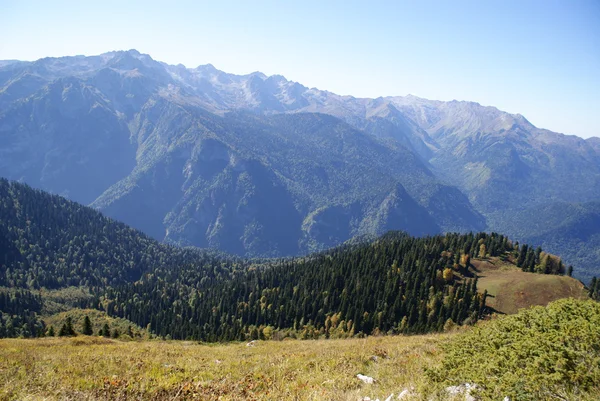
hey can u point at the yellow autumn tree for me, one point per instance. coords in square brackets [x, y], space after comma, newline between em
[482, 251]
[448, 274]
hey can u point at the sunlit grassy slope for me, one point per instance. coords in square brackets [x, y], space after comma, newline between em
[538, 354]
[510, 289]
[98, 368]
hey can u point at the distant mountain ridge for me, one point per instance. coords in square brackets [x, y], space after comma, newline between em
[251, 164]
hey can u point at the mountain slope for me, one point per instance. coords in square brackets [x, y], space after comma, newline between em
[65, 138]
[244, 183]
[50, 242]
[501, 160]
[199, 156]
[241, 182]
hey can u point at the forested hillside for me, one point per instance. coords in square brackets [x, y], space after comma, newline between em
[396, 284]
[51, 242]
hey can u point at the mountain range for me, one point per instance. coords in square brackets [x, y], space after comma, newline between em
[258, 165]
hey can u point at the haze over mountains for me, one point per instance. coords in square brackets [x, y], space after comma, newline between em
[262, 166]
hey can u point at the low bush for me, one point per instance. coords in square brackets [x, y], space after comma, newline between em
[537, 354]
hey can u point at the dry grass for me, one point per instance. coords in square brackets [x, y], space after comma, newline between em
[97, 368]
[511, 289]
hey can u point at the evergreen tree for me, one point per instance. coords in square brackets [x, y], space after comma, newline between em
[594, 289]
[105, 330]
[87, 327]
[67, 328]
[522, 255]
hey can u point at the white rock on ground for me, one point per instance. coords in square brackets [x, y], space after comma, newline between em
[366, 379]
[465, 389]
[404, 394]
[369, 398]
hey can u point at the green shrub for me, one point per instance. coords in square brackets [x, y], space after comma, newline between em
[537, 354]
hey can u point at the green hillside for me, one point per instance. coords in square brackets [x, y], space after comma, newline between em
[58, 256]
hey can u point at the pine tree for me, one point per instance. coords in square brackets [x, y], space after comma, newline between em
[105, 330]
[70, 330]
[594, 289]
[67, 329]
[50, 332]
[522, 255]
[87, 327]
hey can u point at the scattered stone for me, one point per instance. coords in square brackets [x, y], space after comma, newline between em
[406, 393]
[366, 379]
[251, 343]
[374, 358]
[465, 389]
[390, 397]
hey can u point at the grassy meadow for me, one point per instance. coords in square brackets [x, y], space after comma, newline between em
[90, 368]
[540, 353]
[510, 289]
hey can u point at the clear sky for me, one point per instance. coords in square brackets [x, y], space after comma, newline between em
[538, 58]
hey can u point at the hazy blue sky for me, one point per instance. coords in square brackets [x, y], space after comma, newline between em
[537, 58]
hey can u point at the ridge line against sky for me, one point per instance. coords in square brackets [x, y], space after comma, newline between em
[537, 58]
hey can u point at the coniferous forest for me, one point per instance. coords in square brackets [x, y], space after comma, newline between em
[395, 284]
